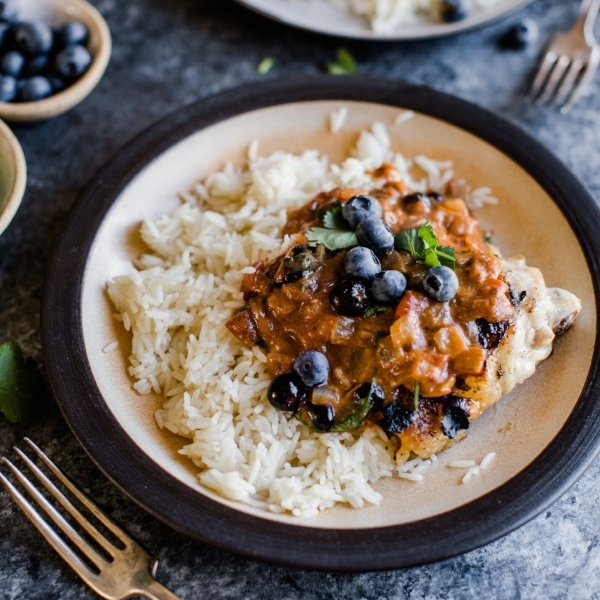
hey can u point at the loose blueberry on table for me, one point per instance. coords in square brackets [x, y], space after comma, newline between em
[37, 61]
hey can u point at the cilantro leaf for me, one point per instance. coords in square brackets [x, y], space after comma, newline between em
[332, 239]
[374, 310]
[422, 244]
[21, 386]
[331, 216]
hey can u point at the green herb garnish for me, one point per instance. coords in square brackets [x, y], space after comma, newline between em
[422, 244]
[378, 335]
[355, 420]
[344, 63]
[332, 239]
[416, 397]
[335, 233]
[265, 65]
[374, 310]
[21, 386]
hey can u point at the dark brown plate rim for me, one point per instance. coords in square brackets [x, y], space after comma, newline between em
[470, 526]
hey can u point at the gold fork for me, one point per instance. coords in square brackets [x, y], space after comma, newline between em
[569, 62]
[113, 572]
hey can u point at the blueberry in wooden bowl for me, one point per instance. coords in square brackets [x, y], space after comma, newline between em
[52, 55]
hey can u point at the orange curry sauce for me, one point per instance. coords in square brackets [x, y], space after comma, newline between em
[436, 344]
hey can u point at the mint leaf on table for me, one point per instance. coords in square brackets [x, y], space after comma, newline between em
[422, 244]
[21, 385]
[344, 64]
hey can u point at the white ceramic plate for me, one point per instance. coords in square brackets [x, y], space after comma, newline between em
[538, 432]
[321, 16]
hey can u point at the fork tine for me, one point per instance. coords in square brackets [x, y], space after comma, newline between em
[567, 85]
[85, 501]
[554, 79]
[58, 519]
[67, 505]
[544, 69]
[49, 534]
[585, 78]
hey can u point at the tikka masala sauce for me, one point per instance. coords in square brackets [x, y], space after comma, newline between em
[416, 342]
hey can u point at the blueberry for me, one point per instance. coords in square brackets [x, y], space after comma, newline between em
[349, 298]
[9, 10]
[31, 38]
[454, 10]
[73, 32]
[322, 416]
[359, 208]
[440, 283]
[361, 263]
[58, 85]
[34, 88]
[72, 62]
[8, 88]
[396, 418]
[388, 286]
[519, 35]
[376, 235]
[36, 65]
[453, 421]
[286, 392]
[4, 27]
[312, 367]
[12, 63]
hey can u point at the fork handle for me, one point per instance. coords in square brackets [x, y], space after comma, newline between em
[153, 590]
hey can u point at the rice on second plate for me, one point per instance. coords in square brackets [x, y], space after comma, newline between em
[385, 15]
[179, 297]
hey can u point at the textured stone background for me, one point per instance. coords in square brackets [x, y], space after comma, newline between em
[166, 55]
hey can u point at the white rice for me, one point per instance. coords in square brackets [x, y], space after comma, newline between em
[337, 118]
[177, 299]
[473, 469]
[386, 15]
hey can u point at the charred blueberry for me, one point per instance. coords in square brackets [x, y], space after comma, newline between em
[359, 208]
[361, 263]
[312, 367]
[388, 286]
[34, 88]
[72, 62]
[520, 35]
[454, 420]
[397, 418]
[440, 283]
[377, 395]
[32, 38]
[73, 32]
[286, 392]
[435, 196]
[454, 10]
[322, 416]
[299, 263]
[415, 198]
[8, 88]
[12, 63]
[349, 298]
[376, 235]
